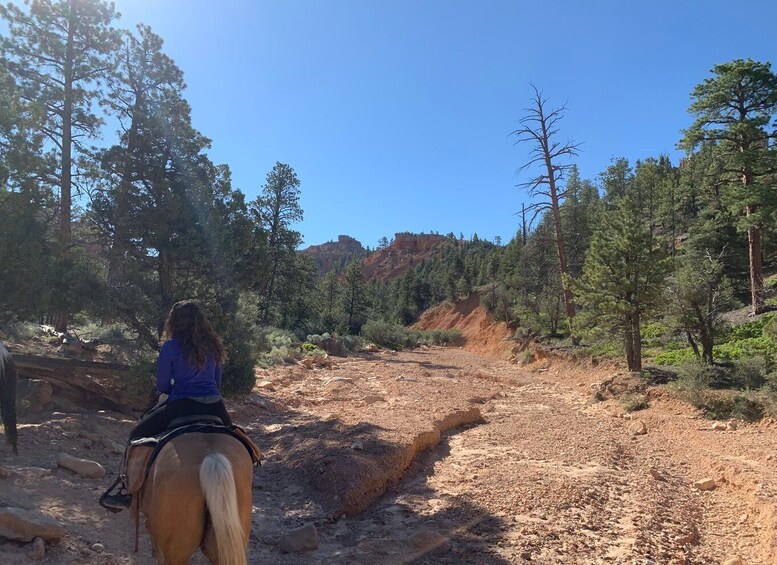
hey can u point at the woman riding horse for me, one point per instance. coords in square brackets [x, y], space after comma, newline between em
[189, 371]
[197, 492]
[8, 378]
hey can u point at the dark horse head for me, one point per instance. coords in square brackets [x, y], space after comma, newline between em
[8, 396]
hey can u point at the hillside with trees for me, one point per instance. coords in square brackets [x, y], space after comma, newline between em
[645, 262]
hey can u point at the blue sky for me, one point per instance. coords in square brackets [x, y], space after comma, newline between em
[396, 114]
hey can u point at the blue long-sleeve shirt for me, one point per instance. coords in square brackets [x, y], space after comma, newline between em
[176, 377]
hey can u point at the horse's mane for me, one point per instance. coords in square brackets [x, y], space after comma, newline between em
[8, 377]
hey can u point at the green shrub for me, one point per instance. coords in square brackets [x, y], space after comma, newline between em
[310, 348]
[654, 332]
[610, 349]
[751, 372]
[633, 403]
[276, 346]
[527, 357]
[693, 382]
[675, 357]
[388, 335]
[107, 333]
[440, 337]
[351, 342]
[769, 395]
[139, 382]
[240, 339]
[316, 339]
[21, 331]
[770, 328]
[395, 336]
[740, 406]
[760, 346]
[751, 329]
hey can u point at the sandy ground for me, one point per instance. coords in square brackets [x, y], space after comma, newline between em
[443, 456]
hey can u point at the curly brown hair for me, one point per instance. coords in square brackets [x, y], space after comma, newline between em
[187, 323]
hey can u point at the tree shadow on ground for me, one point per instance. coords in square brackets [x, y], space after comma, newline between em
[355, 497]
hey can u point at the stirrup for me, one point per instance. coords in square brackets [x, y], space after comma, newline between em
[115, 502]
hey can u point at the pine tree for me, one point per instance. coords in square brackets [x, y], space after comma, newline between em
[354, 298]
[622, 277]
[734, 109]
[277, 209]
[58, 54]
[698, 294]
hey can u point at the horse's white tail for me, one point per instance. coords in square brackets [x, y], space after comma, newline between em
[218, 484]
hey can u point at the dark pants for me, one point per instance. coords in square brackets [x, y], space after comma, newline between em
[156, 421]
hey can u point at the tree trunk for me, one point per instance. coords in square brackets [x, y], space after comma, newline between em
[754, 244]
[633, 342]
[165, 287]
[754, 247]
[569, 304]
[66, 163]
[268, 295]
[637, 333]
[628, 342]
[692, 343]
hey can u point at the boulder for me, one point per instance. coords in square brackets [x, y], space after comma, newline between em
[372, 399]
[83, 467]
[299, 540]
[23, 525]
[637, 428]
[37, 549]
[704, 484]
[38, 394]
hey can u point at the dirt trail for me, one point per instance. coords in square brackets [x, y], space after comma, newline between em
[528, 467]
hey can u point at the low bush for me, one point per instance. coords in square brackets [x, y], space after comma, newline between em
[388, 335]
[675, 357]
[751, 372]
[759, 346]
[635, 403]
[106, 333]
[527, 357]
[721, 406]
[352, 342]
[693, 383]
[440, 337]
[20, 331]
[276, 346]
[395, 336]
[751, 329]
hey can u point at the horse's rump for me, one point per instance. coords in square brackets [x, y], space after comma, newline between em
[198, 488]
[8, 377]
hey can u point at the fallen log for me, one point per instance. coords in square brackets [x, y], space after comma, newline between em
[89, 384]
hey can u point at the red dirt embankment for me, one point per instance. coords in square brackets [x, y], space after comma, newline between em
[481, 333]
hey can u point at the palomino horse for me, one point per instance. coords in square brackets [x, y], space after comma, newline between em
[198, 495]
[8, 396]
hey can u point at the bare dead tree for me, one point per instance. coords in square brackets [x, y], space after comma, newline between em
[539, 128]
